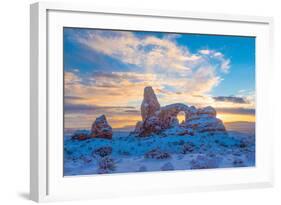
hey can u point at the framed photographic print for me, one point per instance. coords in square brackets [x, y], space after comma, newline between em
[127, 102]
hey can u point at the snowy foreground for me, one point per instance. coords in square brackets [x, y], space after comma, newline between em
[127, 153]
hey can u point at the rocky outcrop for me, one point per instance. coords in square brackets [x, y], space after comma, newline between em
[168, 114]
[205, 124]
[149, 104]
[204, 120]
[156, 119]
[101, 128]
[80, 135]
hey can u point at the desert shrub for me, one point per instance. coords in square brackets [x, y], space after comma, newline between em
[157, 154]
[243, 145]
[103, 151]
[238, 162]
[204, 162]
[167, 167]
[86, 159]
[187, 148]
[106, 165]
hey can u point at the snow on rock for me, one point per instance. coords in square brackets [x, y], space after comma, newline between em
[156, 120]
[106, 165]
[159, 142]
[101, 128]
[203, 123]
[149, 126]
[80, 135]
[209, 111]
[154, 153]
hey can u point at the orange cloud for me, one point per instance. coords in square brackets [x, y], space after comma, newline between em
[111, 93]
[225, 117]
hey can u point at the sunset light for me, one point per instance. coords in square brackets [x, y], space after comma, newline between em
[140, 101]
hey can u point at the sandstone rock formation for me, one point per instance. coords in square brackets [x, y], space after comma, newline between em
[168, 114]
[156, 119]
[149, 104]
[101, 128]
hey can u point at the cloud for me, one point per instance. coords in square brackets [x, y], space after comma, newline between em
[105, 89]
[175, 73]
[118, 95]
[121, 88]
[73, 98]
[217, 57]
[118, 116]
[242, 91]
[68, 107]
[149, 51]
[241, 111]
[70, 78]
[205, 51]
[159, 61]
[232, 99]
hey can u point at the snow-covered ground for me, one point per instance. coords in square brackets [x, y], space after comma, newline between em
[127, 153]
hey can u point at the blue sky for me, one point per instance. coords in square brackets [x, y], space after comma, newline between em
[105, 68]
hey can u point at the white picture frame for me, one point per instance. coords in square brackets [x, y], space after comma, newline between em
[46, 180]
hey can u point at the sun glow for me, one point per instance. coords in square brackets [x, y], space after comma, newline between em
[225, 117]
[181, 117]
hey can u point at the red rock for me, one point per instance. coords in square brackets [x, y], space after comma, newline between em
[157, 119]
[150, 104]
[101, 128]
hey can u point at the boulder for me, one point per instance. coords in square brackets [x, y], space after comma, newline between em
[149, 126]
[80, 135]
[101, 128]
[203, 124]
[149, 104]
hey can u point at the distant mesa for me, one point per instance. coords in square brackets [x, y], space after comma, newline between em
[156, 119]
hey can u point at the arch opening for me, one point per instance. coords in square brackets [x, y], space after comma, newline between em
[181, 117]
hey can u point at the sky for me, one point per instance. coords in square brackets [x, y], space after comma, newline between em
[105, 72]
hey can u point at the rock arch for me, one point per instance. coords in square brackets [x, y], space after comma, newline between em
[156, 119]
[181, 117]
[168, 114]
